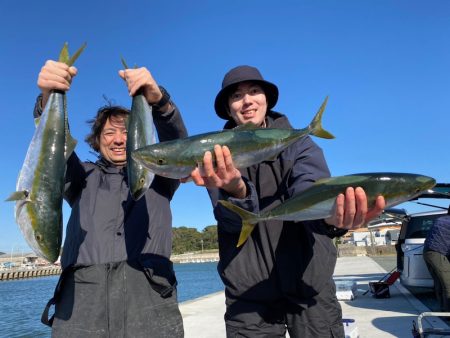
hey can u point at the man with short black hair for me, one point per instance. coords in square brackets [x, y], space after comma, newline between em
[281, 277]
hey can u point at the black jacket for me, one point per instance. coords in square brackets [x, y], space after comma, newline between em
[281, 259]
[106, 224]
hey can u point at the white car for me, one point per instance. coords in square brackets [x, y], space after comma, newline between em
[410, 262]
[414, 229]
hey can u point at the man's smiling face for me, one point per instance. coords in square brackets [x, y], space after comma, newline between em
[113, 140]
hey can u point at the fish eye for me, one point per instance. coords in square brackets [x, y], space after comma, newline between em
[38, 237]
[161, 161]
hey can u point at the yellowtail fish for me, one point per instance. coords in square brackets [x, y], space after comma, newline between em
[40, 186]
[248, 145]
[317, 202]
[140, 133]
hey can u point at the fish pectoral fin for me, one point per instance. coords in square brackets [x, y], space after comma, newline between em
[186, 179]
[37, 120]
[71, 143]
[19, 196]
[201, 169]
[272, 158]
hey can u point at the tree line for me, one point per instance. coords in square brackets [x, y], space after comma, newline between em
[190, 239]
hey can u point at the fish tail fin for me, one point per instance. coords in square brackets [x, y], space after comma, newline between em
[76, 55]
[64, 54]
[315, 127]
[246, 230]
[249, 221]
[124, 63]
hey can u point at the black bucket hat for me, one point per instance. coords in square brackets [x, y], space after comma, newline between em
[241, 74]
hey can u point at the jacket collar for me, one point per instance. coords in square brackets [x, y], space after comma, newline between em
[109, 168]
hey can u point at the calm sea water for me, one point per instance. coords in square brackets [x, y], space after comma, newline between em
[22, 301]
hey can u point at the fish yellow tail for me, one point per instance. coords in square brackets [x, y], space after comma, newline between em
[64, 54]
[315, 127]
[249, 220]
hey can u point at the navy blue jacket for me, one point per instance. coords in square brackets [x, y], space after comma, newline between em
[438, 238]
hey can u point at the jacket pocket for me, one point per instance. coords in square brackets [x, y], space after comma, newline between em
[160, 274]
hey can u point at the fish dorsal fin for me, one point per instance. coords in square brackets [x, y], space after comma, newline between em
[322, 180]
[201, 168]
[247, 126]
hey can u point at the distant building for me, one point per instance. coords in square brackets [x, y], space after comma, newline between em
[379, 235]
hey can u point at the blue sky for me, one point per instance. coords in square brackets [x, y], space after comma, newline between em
[384, 64]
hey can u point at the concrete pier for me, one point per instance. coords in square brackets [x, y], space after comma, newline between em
[374, 318]
[196, 257]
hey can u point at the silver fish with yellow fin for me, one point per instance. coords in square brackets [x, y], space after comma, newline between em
[40, 186]
[140, 133]
[248, 145]
[317, 202]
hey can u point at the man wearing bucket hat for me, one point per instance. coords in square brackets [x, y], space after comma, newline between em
[281, 277]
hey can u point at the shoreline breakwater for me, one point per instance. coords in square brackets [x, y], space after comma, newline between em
[41, 271]
[29, 273]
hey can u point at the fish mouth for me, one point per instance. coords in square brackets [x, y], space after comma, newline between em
[45, 250]
[138, 192]
[136, 155]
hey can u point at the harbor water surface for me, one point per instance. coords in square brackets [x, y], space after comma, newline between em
[22, 301]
